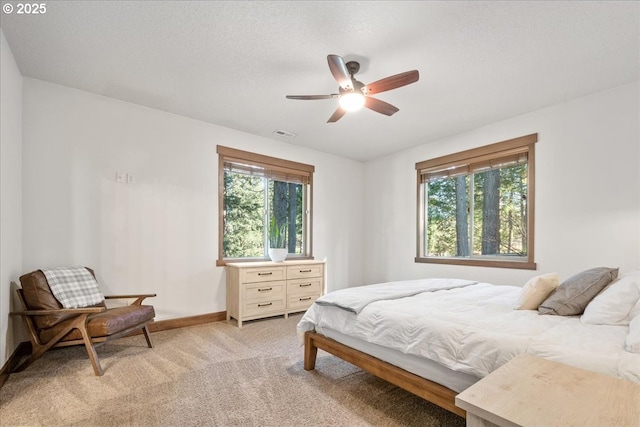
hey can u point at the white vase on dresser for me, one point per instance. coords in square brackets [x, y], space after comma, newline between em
[277, 254]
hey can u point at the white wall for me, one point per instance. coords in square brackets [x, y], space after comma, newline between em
[10, 193]
[587, 206]
[161, 233]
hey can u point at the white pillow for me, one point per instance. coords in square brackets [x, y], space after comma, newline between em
[632, 342]
[536, 290]
[613, 305]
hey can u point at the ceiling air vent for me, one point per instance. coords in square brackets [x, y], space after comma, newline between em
[284, 133]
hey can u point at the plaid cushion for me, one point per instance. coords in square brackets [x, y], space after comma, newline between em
[74, 287]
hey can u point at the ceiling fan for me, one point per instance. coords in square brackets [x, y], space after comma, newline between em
[354, 94]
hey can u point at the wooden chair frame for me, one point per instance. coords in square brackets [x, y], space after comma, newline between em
[38, 348]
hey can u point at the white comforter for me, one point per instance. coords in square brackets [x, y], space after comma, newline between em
[475, 329]
[356, 299]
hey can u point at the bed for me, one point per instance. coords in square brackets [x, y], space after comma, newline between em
[436, 337]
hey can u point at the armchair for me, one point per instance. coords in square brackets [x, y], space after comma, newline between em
[50, 325]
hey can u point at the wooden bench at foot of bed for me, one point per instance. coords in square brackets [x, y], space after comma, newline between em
[428, 390]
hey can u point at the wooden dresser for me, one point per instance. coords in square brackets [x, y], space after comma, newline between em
[263, 289]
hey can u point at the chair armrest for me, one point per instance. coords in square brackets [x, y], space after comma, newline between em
[139, 298]
[129, 296]
[59, 311]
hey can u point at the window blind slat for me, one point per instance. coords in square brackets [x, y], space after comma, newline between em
[267, 171]
[501, 162]
[479, 164]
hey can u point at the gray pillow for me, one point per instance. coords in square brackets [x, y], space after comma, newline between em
[573, 295]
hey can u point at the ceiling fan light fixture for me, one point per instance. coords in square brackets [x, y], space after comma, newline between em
[352, 101]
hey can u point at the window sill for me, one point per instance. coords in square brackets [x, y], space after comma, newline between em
[523, 265]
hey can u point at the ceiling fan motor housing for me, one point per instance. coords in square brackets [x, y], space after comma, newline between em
[356, 86]
[352, 67]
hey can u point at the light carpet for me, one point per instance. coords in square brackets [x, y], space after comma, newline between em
[209, 375]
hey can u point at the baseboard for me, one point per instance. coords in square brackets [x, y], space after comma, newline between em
[181, 322]
[24, 348]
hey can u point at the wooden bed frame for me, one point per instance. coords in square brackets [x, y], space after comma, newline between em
[428, 390]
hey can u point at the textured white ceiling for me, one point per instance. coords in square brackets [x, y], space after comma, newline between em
[232, 63]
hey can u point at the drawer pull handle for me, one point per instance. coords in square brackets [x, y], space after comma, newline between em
[265, 305]
[304, 285]
[265, 274]
[305, 299]
[305, 271]
[264, 289]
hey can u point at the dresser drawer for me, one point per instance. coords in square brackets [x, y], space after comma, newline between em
[301, 302]
[262, 274]
[304, 270]
[263, 307]
[304, 287]
[265, 290]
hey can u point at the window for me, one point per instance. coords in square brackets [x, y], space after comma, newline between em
[261, 198]
[476, 207]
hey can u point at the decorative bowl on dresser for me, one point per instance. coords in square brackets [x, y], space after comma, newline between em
[263, 289]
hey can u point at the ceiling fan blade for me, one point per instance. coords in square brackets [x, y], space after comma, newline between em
[380, 106]
[337, 115]
[392, 82]
[335, 95]
[339, 71]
